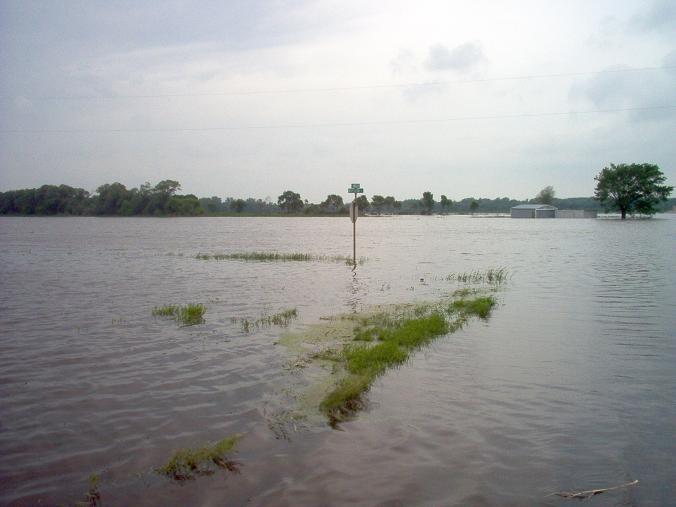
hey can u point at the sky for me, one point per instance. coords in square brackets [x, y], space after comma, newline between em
[250, 98]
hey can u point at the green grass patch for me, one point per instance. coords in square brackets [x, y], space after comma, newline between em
[278, 257]
[185, 464]
[187, 315]
[383, 340]
[480, 306]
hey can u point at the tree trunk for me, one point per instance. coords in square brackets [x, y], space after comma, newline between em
[624, 213]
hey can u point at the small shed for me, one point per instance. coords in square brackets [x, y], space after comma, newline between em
[533, 211]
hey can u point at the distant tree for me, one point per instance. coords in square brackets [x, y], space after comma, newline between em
[160, 196]
[184, 205]
[378, 203]
[332, 204]
[545, 196]
[238, 205]
[474, 206]
[427, 202]
[446, 203]
[109, 199]
[363, 203]
[631, 188]
[391, 204]
[211, 204]
[290, 201]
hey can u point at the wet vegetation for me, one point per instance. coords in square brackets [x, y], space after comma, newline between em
[186, 315]
[93, 496]
[494, 276]
[481, 306]
[281, 319]
[384, 340]
[278, 257]
[185, 464]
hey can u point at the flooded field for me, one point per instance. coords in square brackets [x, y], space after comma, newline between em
[106, 370]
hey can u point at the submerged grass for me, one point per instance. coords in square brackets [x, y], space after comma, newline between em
[165, 311]
[382, 341]
[93, 496]
[185, 464]
[278, 257]
[187, 315]
[281, 319]
[493, 276]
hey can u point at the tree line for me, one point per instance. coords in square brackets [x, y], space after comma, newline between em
[628, 188]
[111, 199]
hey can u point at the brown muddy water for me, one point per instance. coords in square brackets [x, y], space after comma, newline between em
[570, 385]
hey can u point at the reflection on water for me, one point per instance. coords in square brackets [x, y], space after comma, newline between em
[570, 385]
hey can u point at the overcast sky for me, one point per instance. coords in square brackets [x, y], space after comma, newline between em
[251, 98]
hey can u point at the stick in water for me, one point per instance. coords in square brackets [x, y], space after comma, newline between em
[591, 492]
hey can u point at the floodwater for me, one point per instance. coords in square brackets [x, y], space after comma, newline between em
[570, 385]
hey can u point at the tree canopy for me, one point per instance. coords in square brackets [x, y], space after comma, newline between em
[446, 203]
[290, 201]
[545, 196]
[428, 202]
[631, 188]
[332, 204]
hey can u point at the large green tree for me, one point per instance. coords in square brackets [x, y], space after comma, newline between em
[290, 201]
[631, 188]
[332, 204]
[428, 202]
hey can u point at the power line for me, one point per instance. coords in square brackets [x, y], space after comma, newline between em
[349, 88]
[336, 124]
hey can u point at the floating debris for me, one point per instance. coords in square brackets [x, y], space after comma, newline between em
[583, 495]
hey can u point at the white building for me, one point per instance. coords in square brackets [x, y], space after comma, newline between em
[533, 211]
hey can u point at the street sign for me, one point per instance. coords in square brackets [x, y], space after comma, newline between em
[355, 189]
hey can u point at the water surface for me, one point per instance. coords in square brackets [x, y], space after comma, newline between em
[569, 385]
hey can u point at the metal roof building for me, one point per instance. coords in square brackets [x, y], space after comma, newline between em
[533, 211]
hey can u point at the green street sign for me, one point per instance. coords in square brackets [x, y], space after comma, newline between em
[355, 189]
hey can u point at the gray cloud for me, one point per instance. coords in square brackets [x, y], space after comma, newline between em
[659, 16]
[670, 61]
[631, 90]
[461, 58]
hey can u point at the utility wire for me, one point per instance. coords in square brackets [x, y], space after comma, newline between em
[337, 124]
[356, 87]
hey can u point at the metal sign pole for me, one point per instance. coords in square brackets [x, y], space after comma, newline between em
[354, 231]
[354, 213]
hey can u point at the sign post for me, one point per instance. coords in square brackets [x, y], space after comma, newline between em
[355, 189]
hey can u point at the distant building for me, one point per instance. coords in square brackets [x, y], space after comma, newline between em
[547, 211]
[533, 211]
[575, 213]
